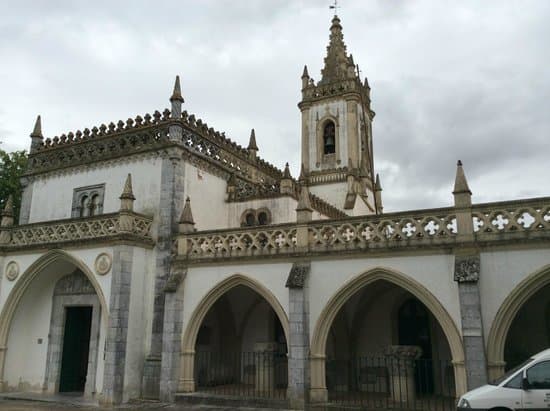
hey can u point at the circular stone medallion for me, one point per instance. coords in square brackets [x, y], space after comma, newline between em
[103, 263]
[12, 270]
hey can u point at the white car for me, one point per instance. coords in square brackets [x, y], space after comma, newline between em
[526, 387]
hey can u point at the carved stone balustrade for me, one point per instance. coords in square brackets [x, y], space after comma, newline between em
[512, 221]
[105, 228]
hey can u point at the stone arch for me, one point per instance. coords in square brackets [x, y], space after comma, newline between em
[24, 281]
[187, 383]
[506, 314]
[322, 327]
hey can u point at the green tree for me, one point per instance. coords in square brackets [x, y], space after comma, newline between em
[12, 167]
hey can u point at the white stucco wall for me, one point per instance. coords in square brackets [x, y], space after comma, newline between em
[501, 272]
[334, 194]
[52, 196]
[207, 195]
[283, 210]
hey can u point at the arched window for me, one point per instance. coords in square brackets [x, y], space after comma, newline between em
[250, 219]
[83, 209]
[329, 138]
[263, 218]
[94, 205]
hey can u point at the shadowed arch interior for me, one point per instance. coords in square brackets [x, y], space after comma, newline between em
[506, 314]
[187, 378]
[335, 304]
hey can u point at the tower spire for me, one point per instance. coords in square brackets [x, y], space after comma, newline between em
[338, 66]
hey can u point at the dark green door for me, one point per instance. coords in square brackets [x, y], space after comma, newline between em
[76, 344]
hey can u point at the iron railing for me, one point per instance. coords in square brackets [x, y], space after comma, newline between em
[391, 383]
[243, 374]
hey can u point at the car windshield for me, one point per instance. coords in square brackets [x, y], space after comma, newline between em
[510, 372]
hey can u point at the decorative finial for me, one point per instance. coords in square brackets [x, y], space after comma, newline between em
[37, 131]
[187, 215]
[8, 207]
[252, 142]
[461, 185]
[302, 176]
[176, 94]
[127, 197]
[304, 202]
[127, 192]
[286, 173]
[7, 213]
[377, 185]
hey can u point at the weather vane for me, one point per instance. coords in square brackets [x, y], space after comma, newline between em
[334, 6]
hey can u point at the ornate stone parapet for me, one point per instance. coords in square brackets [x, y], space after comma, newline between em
[102, 228]
[498, 223]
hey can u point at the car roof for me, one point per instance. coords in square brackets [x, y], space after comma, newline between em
[542, 355]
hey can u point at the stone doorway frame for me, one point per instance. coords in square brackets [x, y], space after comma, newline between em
[73, 290]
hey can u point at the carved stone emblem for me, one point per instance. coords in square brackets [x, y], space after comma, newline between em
[177, 275]
[467, 269]
[12, 270]
[75, 283]
[103, 263]
[297, 275]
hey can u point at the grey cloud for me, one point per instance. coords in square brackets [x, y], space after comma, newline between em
[449, 80]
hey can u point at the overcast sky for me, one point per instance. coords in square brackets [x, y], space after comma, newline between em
[450, 80]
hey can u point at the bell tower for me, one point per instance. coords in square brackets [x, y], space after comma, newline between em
[337, 157]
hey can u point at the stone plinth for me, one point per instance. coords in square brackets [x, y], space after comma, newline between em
[400, 360]
[264, 359]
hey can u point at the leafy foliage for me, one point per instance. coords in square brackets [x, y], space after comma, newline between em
[12, 166]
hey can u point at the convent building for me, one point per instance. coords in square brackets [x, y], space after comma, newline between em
[156, 258]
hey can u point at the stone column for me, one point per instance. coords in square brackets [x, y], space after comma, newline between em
[400, 361]
[172, 332]
[117, 331]
[171, 201]
[467, 268]
[466, 273]
[298, 364]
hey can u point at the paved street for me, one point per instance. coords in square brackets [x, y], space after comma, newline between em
[21, 405]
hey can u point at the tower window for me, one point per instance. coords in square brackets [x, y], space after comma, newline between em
[329, 138]
[250, 219]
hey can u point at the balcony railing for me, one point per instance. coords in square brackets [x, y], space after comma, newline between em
[503, 221]
[105, 227]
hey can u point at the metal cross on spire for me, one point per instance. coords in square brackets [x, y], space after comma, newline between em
[334, 7]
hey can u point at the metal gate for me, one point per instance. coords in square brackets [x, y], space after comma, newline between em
[390, 383]
[243, 374]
